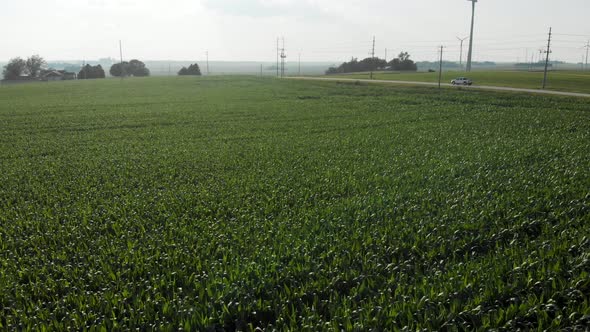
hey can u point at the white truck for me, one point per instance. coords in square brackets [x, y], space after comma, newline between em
[461, 81]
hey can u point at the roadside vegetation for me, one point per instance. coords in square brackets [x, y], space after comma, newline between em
[235, 203]
[571, 81]
[401, 63]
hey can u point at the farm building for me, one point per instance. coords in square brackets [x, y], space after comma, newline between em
[53, 75]
[57, 75]
[67, 75]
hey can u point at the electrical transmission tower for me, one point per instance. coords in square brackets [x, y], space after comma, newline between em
[547, 59]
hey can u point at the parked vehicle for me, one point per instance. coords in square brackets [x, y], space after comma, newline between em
[461, 81]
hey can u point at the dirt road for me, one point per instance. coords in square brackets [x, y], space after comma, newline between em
[480, 87]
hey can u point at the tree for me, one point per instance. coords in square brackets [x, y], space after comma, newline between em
[403, 56]
[131, 68]
[99, 72]
[354, 65]
[191, 70]
[402, 63]
[14, 69]
[138, 69]
[141, 72]
[119, 69]
[34, 65]
[90, 72]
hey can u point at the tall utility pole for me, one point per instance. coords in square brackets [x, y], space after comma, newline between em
[440, 66]
[461, 52]
[277, 56]
[547, 59]
[121, 54]
[587, 47]
[372, 56]
[207, 55]
[470, 56]
[283, 57]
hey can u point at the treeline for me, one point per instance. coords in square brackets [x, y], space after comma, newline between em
[132, 68]
[191, 70]
[34, 67]
[18, 67]
[401, 63]
[91, 72]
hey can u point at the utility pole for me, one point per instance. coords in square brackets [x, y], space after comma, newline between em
[373, 56]
[277, 56]
[207, 56]
[461, 52]
[587, 47]
[440, 66]
[121, 54]
[385, 55]
[547, 59]
[470, 56]
[283, 57]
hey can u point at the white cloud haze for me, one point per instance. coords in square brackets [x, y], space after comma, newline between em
[321, 30]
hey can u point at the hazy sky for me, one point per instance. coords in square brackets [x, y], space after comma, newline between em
[321, 30]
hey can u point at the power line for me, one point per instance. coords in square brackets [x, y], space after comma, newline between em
[569, 35]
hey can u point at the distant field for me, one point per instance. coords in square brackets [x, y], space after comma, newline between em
[559, 80]
[234, 203]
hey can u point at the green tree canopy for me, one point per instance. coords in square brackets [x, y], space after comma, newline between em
[34, 65]
[90, 72]
[14, 69]
[191, 70]
[402, 63]
[132, 68]
[354, 65]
